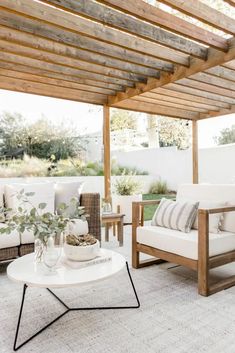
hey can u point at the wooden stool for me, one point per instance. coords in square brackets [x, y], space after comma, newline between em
[113, 219]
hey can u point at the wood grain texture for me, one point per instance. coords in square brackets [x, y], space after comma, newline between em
[122, 21]
[107, 158]
[95, 30]
[158, 17]
[195, 152]
[204, 13]
[203, 252]
[90, 46]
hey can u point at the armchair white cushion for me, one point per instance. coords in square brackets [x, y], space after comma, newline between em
[9, 240]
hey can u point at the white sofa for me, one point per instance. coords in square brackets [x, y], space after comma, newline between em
[13, 245]
[199, 249]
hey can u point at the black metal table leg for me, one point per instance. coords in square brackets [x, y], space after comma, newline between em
[15, 347]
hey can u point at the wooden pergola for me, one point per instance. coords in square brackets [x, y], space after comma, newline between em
[124, 54]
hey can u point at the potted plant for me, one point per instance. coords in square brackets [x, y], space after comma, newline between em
[127, 190]
[81, 247]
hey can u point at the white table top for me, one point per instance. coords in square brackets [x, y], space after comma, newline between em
[25, 270]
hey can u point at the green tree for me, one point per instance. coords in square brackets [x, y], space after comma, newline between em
[40, 139]
[173, 132]
[226, 136]
[122, 119]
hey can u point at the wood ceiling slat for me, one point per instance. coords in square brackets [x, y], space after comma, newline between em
[170, 104]
[53, 82]
[94, 30]
[181, 101]
[18, 85]
[197, 92]
[32, 41]
[41, 72]
[44, 56]
[204, 13]
[17, 59]
[158, 17]
[222, 72]
[90, 47]
[190, 98]
[214, 80]
[230, 2]
[113, 18]
[207, 87]
[150, 108]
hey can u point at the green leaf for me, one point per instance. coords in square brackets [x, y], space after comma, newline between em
[30, 193]
[42, 205]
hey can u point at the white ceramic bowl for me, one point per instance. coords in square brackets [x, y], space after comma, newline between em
[82, 253]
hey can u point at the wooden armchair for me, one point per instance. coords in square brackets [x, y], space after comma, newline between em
[204, 262]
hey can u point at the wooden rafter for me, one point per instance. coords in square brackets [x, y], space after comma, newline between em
[113, 18]
[230, 2]
[149, 13]
[135, 105]
[214, 58]
[42, 89]
[93, 30]
[204, 13]
[89, 47]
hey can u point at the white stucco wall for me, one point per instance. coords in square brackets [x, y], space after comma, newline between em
[216, 165]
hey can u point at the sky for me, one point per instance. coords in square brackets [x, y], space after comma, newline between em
[88, 118]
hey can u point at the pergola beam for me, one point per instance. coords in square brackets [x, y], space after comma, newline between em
[214, 58]
[93, 30]
[113, 18]
[90, 46]
[12, 36]
[135, 105]
[158, 17]
[64, 60]
[204, 13]
[42, 89]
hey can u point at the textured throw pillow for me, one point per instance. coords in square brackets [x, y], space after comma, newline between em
[215, 220]
[175, 215]
[65, 191]
[43, 193]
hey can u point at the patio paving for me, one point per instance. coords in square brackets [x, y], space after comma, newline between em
[172, 318]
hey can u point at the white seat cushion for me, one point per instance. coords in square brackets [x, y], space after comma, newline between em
[9, 240]
[184, 244]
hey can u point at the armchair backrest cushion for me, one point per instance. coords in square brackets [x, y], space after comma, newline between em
[65, 191]
[218, 193]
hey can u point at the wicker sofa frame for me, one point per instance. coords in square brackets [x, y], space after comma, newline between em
[91, 202]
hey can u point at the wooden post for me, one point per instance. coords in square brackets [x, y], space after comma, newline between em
[106, 142]
[195, 151]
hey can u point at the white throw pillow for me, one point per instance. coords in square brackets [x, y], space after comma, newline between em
[215, 220]
[175, 215]
[43, 193]
[65, 191]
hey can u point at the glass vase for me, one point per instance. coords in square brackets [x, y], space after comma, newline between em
[39, 248]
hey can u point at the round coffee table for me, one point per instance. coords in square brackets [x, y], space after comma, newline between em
[24, 270]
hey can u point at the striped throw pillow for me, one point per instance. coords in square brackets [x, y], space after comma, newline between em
[175, 215]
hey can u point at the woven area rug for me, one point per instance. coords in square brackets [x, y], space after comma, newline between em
[172, 318]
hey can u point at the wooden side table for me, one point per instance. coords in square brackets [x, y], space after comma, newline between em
[113, 219]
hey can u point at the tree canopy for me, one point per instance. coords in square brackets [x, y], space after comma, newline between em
[173, 132]
[122, 119]
[226, 136]
[41, 138]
